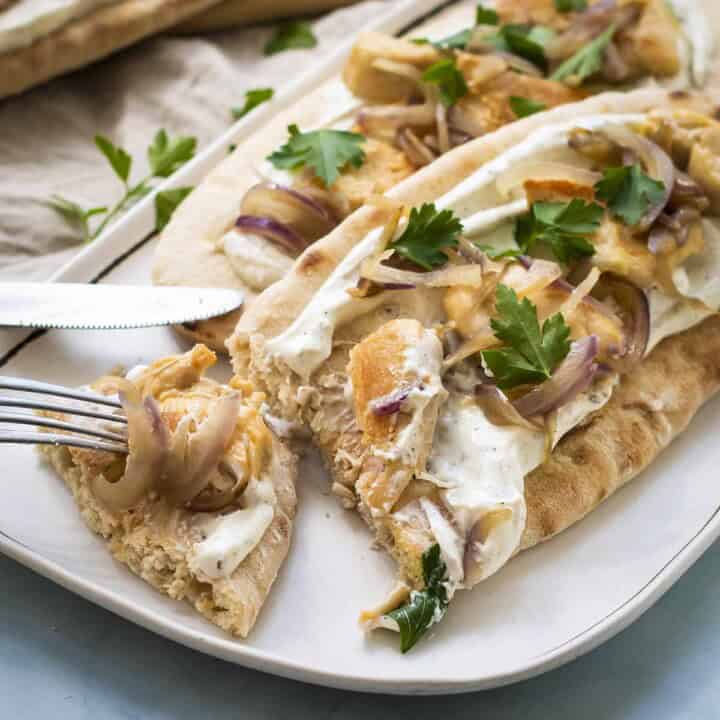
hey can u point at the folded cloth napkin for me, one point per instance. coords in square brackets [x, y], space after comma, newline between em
[185, 85]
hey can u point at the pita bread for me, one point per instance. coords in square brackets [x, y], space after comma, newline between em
[157, 541]
[232, 13]
[96, 35]
[186, 253]
[588, 464]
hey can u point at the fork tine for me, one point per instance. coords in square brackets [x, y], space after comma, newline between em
[33, 386]
[66, 410]
[40, 438]
[40, 421]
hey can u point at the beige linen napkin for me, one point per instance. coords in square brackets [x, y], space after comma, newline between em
[185, 85]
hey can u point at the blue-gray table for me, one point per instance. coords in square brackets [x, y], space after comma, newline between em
[63, 658]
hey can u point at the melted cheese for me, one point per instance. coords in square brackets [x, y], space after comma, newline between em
[27, 20]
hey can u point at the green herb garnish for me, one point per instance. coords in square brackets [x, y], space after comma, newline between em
[531, 353]
[326, 152]
[426, 234]
[448, 79]
[290, 36]
[629, 192]
[586, 61]
[565, 6]
[253, 98]
[425, 607]
[500, 253]
[165, 204]
[524, 40]
[522, 106]
[564, 227]
[165, 156]
[486, 16]
[461, 39]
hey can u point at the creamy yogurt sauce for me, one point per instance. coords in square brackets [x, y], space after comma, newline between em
[27, 20]
[231, 538]
[255, 260]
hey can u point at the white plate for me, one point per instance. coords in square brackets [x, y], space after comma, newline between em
[547, 607]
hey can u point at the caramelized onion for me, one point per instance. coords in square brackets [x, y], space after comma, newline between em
[390, 117]
[190, 465]
[498, 408]
[572, 376]
[635, 314]
[148, 443]
[303, 214]
[463, 121]
[416, 151]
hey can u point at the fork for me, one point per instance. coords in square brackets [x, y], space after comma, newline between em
[74, 434]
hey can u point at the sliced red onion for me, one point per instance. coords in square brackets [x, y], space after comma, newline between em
[686, 192]
[302, 213]
[661, 240]
[498, 408]
[589, 300]
[573, 375]
[274, 231]
[635, 315]
[391, 403]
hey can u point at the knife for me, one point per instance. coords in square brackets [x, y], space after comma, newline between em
[105, 307]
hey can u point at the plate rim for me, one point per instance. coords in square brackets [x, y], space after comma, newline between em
[128, 235]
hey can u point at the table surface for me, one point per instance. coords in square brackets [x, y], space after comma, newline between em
[63, 658]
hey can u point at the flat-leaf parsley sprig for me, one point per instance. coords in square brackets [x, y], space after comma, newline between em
[165, 155]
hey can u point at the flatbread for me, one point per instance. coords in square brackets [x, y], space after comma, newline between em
[89, 38]
[233, 13]
[587, 466]
[154, 541]
[186, 253]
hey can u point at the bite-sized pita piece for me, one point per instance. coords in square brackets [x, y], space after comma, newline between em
[368, 81]
[160, 540]
[89, 38]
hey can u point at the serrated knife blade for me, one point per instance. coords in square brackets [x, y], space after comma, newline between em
[105, 307]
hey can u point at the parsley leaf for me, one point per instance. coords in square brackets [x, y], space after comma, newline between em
[461, 39]
[562, 226]
[531, 354]
[165, 156]
[291, 36]
[564, 6]
[120, 161]
[74, 215]
[522, 106]
[253, 98]
[426, 233]
[425, 607]
[485, 16]
[449, 80]
[165, 204]
[500, 253]
[524, 40]
[586, 61]
[327, 152]
[629, 192]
